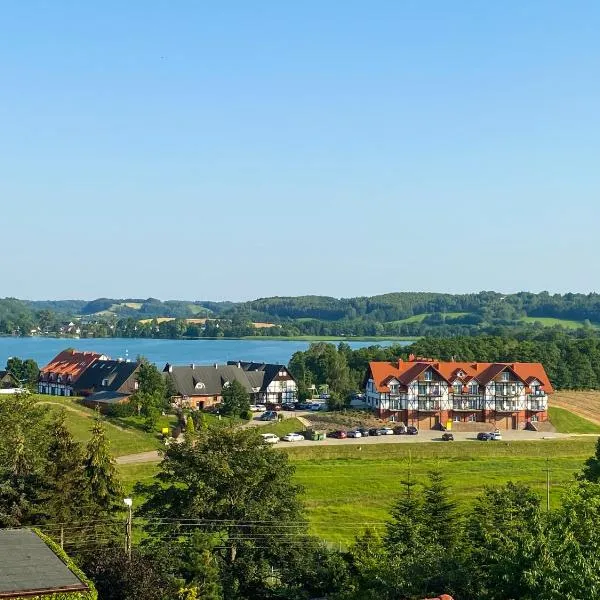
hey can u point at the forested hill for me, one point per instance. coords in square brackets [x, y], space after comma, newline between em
[397, 314]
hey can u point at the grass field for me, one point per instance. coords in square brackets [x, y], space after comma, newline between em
[348, 486]
[584, 404]
[567, 422]
[125, 434]
[283, 427]
[551, 322]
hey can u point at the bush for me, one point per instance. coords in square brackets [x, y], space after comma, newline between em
[247, 415]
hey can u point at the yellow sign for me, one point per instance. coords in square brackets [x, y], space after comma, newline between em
[449, 425]
[165, 431]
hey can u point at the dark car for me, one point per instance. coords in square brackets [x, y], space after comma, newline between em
[483, 436]
[374, 431]
[447, 437]
[399, 430]
[288, 406]
[364, 431]
[412, 430]
[270, 415]
[339, 434]
[303, 406]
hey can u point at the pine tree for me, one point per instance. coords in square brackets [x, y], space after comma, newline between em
[66, 498]
[439, 512]
[102, 481]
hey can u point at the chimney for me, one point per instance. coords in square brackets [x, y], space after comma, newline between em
[411, 358]
[399, 363]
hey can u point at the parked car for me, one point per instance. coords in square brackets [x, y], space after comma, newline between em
[412, 430]
[261, 407]
[374, 431]
[303, 405]
[255, 408]
[364, 431]
[354, 433]
[293, 437]
[270, 415]
[495, 435]
[288, 406]
[400, 429]
[339, 434]
[483, 436]
[269, 438]
[316, 406]
[447, 437]
[386, 431]
[273, 406]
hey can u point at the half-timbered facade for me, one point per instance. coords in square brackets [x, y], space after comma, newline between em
[429, 394]
[59, 376]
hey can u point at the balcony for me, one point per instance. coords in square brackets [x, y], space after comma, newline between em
[467, 402]
[537, 402]
[426, 404]
[506, 406]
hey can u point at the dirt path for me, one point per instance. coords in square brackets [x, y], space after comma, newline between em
[142, 457]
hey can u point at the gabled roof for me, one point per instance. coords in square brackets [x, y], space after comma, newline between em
[117, 372]
[211, 380]
[270, 370]
[407, 371]
[28, 567]
[70, 363]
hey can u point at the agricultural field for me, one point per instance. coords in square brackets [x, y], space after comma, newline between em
[565, 421]
[551, 322]
[583, 404]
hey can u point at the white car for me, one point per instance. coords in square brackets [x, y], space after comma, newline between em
[269, 438]
[495, 435]
[255, 408]
[293, 437]
[386, 431]
[260, 407]
[354, 434]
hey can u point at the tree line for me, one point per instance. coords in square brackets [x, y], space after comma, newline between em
[571, 363]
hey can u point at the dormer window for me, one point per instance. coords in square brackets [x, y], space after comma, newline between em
[473, 388]
[505, 376]
[457, 387]
[428, 375]
[200, 385]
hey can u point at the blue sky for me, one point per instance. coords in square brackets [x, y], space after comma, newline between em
[232, 150]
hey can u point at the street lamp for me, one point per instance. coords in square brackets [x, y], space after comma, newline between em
[128, 503]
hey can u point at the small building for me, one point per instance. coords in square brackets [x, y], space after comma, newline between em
[277, 384]
[60, 376]
[7, 382]
[29, 567]
[429, 394]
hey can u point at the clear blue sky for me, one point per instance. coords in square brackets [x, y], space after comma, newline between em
[231, 150]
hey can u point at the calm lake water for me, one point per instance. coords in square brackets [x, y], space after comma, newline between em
[42, 349]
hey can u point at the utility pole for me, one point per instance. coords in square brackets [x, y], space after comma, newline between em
[547, 484]
[129, 503]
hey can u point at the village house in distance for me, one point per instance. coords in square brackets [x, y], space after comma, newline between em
[201, 387]
[459, 395]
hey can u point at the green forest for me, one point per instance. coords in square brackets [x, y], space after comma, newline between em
[403, 314]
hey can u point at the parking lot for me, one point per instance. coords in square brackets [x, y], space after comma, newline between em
[429, 436]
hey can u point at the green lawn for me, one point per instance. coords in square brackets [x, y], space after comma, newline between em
[330, 338]
[283, 427]
[125, 434]
[420, 317]
[348, 486]
[551, 322]
[568, 422]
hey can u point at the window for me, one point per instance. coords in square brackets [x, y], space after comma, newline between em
[472, 418]
[105, 382]
[457, 387]
[428, 375]
[473, 388]
[456, 418]
[505, 376]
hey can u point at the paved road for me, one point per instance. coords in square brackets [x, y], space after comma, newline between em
[423, 437]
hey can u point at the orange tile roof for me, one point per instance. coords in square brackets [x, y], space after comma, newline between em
[407, 371]
[69, 363]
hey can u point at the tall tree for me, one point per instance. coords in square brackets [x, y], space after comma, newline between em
[236, 400]
[103, 484]
[229, 483]
[66, 498]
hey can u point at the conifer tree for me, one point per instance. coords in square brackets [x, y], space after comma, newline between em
[102, 481]
[66, 495]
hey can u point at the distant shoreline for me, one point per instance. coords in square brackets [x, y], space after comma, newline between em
[266, 338]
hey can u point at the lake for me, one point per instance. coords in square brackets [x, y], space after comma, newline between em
[43, 349]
